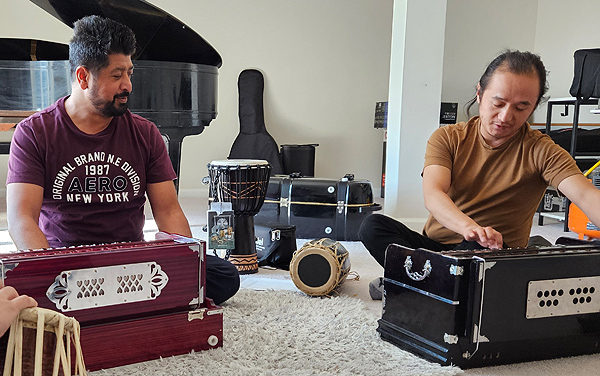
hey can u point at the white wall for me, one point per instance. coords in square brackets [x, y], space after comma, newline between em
[414, 101]
[24, 19]
[562, 28]
[325, 64]
[476, 32]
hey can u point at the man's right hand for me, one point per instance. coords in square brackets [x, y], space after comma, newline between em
[486, 237]
[23, 206]
[436, 183]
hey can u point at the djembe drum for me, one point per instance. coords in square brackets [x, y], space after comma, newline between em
[243, 183]
[320, 266]
[40, 342]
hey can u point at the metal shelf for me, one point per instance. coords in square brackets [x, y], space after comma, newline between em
[576, 103]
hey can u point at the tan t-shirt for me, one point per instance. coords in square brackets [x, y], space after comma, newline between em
[499, 187]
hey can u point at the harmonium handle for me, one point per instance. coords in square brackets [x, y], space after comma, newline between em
[416, 276]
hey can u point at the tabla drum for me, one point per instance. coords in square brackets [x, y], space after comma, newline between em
[243, 182]
[41, 342]
[320, 266]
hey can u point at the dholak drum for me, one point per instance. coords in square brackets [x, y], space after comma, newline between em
[320, 266]
[40, 342]
[243, 182]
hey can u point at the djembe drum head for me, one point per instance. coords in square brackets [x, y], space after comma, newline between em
[243, 182]
[320, 266]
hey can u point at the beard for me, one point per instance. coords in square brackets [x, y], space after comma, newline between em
[109, 108]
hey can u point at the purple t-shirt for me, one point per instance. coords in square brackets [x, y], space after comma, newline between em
[94, 185]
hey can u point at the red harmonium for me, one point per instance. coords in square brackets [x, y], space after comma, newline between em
[135, 301]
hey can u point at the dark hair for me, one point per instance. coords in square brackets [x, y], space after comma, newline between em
[516, 62]
[94, 38]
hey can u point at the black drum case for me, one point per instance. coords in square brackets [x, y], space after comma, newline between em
[318, 207]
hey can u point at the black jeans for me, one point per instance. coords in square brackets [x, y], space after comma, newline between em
[222, 279]
[377, 231]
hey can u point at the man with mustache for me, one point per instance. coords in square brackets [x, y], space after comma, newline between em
[80, 169]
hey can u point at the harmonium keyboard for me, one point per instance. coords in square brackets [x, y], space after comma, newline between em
[135, 301]
[487, 307]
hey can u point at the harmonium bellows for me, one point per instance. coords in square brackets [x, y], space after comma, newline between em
[135, 301]
[176, 70]
[489, 307]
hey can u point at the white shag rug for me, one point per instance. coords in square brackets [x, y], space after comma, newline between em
[289, 333]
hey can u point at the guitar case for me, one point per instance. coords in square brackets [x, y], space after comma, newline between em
[253, 141]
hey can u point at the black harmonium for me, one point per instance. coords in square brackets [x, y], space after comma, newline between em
[489, 307]
[318, 207]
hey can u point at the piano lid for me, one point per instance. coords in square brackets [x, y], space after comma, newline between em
[160, 36]
[31, 49]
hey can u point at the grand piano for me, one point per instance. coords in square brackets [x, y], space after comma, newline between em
[175, 80]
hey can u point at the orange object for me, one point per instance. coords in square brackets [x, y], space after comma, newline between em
[6, 126]
[580, 224]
